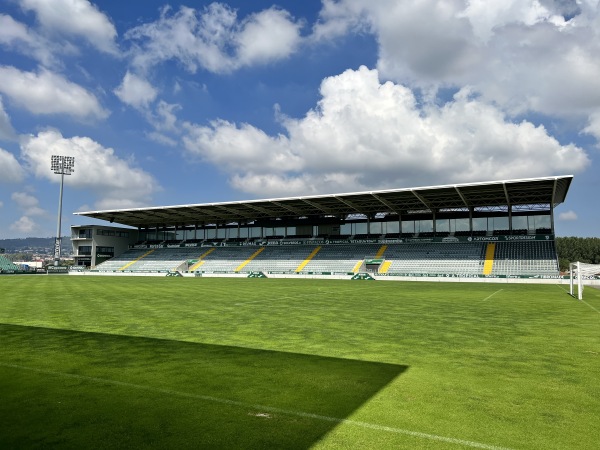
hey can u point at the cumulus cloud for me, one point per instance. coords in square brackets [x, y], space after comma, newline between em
[12, 32]
[7, 132]
[75, 18]
[25, 226]
[28, 204]
[116, 181]
[17, 37]
[593, 126]
[162, 139]
[48, 93]
[213, 38]
[135, 91]
[10, 169]
[367, 135]
[524, 56]
[567, 216]
[164, 118]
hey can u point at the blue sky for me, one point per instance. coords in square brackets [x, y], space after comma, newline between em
[180, 103]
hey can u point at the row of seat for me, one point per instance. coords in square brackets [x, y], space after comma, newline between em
[510, 258]
[530, 257]
[6, 264]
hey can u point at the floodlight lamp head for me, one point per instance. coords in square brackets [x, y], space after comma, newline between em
[62, 165]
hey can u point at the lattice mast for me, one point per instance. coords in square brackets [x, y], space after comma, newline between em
[60, 165]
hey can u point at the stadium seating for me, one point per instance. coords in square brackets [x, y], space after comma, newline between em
[119, 261]
[512, 258]
[525, 258]
[283, 258]
[6, 265]
[440, 258]
[341, 257]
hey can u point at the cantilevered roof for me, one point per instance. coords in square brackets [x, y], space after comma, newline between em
[493, 195]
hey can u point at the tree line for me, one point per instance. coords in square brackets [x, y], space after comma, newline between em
[572, 249]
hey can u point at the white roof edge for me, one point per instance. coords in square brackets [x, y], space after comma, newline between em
[307, 197]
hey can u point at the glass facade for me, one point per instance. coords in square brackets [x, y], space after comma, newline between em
[499, 223]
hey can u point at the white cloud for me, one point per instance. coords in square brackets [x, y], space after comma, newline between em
[48, 93]
[593, 126]
[135, 91]
[7, 132]
[10, 169]
[266, 36]
[368, 135]
[524, 56]
[25, 226]
[567, 215]
[75, 18]
[214, 39]
[28, 204]
[16, 36]
[165, 118]
[12, 31]
[243, 148]
[116, 181]
[162, 139]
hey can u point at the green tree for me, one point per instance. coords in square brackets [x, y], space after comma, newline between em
[571, 249]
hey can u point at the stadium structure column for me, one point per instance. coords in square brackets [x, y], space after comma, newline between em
[60, 165]
[400, 223]
[471, 219]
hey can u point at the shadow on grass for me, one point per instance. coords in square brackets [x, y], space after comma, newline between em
[69, 389]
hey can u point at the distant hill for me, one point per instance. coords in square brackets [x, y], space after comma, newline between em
[36, 244]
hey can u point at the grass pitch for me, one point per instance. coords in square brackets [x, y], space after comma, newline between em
[119, 362]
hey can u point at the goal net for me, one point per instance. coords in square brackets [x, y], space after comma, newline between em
[578, 273]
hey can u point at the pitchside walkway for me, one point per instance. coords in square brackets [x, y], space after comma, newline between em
[464, 258]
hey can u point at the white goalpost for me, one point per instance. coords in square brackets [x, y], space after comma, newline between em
[579, 271]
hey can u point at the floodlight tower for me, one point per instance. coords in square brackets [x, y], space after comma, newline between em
[61, 165]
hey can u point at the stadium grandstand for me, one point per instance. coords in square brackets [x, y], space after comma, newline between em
[498, 229]
[6, 266]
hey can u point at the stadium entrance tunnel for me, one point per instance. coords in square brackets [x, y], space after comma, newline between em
[69, 388]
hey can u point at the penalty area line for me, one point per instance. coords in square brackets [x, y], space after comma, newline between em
[271, 409]
[590, 306]
[491, 295]
[583, 301]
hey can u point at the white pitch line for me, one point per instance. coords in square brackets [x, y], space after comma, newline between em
[491, 295]
[581, 300]
[560, 287]
[372, 426]
[590, 306]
